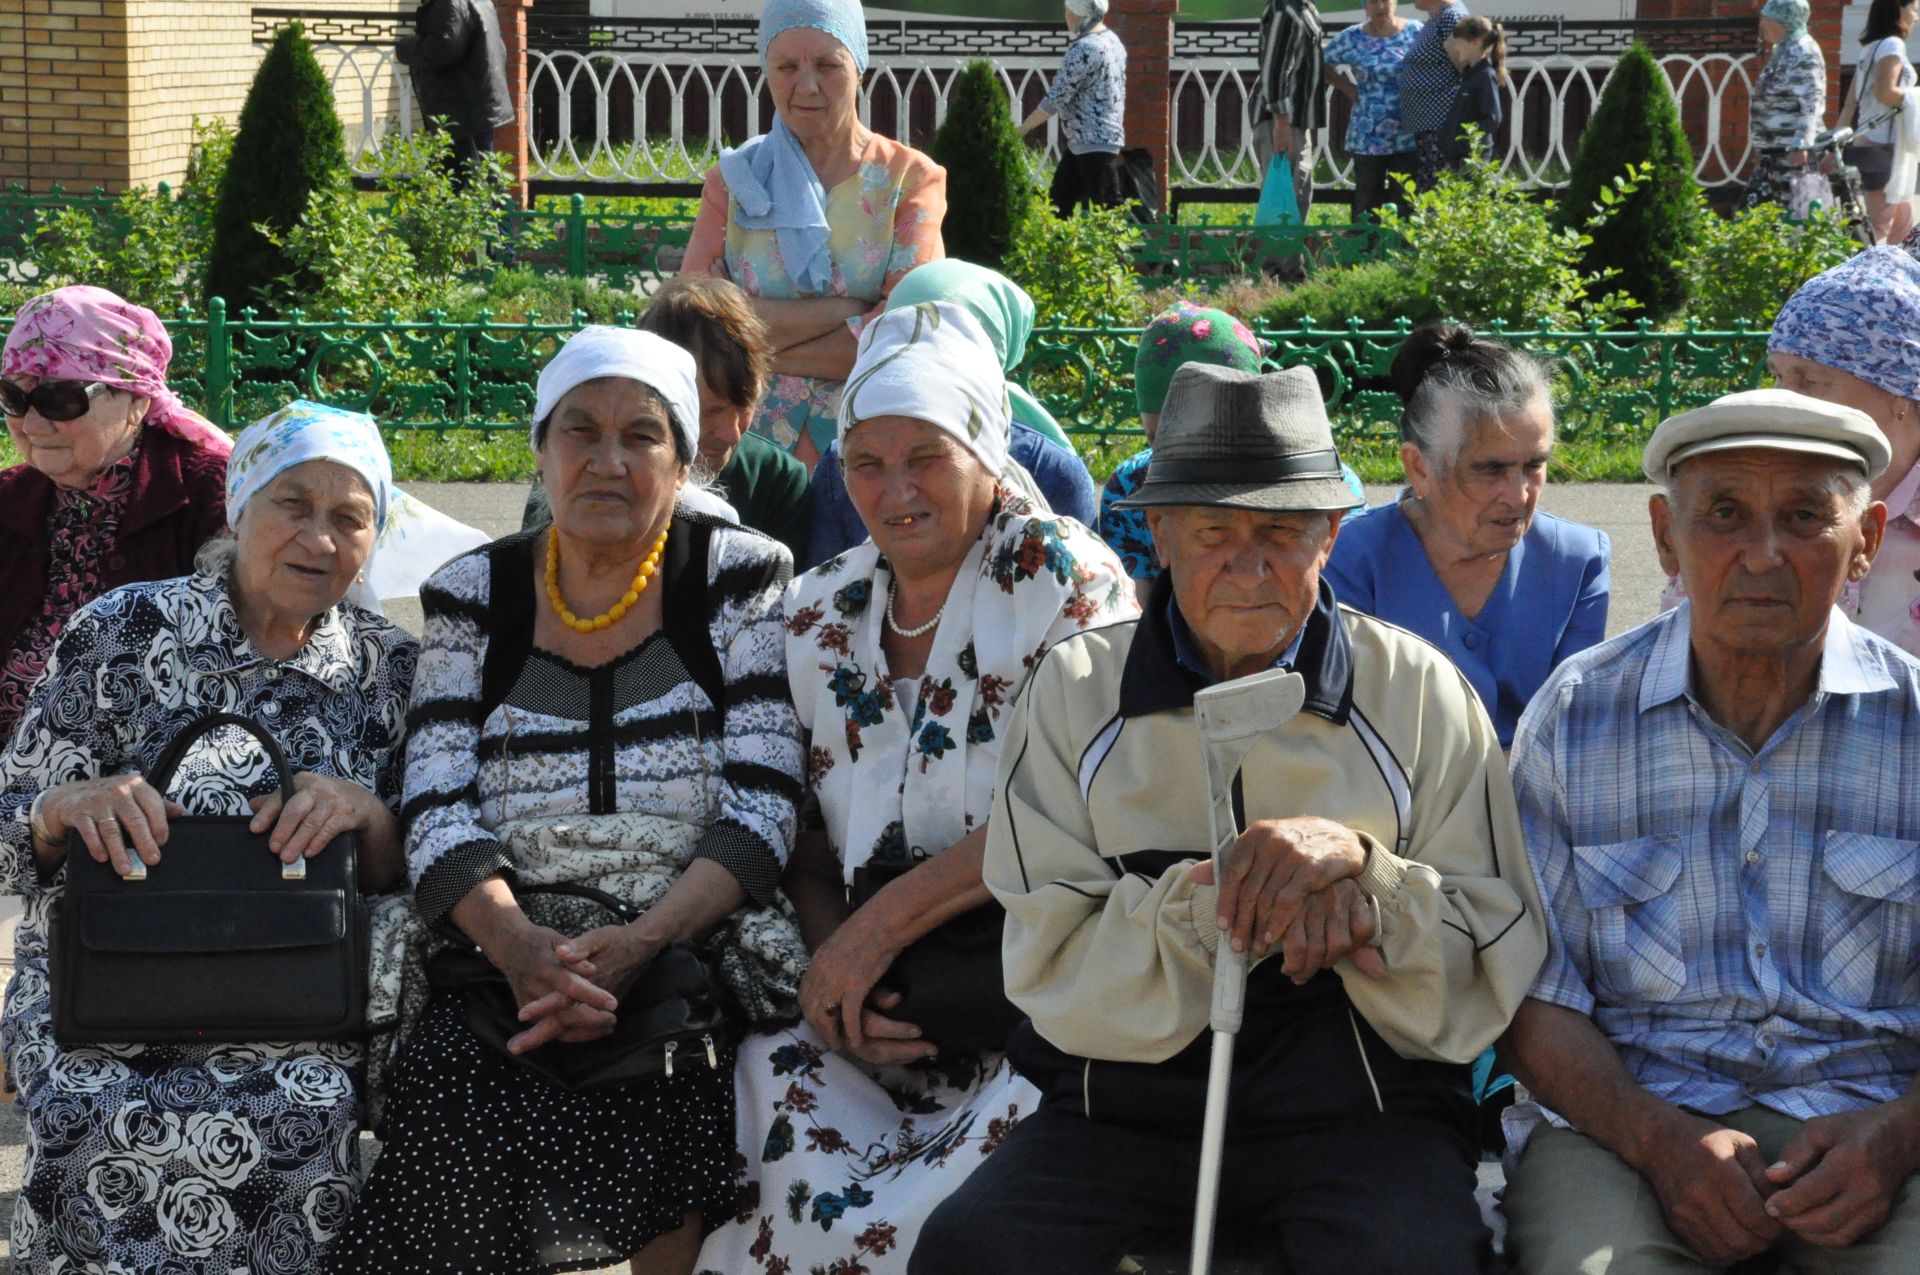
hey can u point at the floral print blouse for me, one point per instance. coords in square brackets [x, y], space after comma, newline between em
[1089, 94]
[1374, 127]
[885, 220]
[82, 530]
[1790, 97]
[904, 783]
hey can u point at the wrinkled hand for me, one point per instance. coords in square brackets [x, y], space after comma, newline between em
[1282, 137]
[888, 1041]
[1274, 866]
[1839, 1176]
[1332, 925]
[611, 957]
[837, 993]
[556, 1001]
[111, 815]
[1712, 1185]
[321, 808]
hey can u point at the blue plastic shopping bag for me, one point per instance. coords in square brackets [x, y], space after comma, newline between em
[1278, 203]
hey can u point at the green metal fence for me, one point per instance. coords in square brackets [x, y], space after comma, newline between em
[435, 374]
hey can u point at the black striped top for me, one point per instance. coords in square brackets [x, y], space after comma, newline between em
[693, 724]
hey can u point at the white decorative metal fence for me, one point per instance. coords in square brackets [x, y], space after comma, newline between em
[651, 103]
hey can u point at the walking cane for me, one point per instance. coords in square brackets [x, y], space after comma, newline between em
[1232, 718]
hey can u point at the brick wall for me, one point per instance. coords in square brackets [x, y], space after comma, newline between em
[104, 92]
[1146, 28]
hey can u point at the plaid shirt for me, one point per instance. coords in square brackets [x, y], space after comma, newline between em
[1741, 925]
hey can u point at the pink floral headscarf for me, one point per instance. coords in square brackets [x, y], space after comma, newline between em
[89, 334]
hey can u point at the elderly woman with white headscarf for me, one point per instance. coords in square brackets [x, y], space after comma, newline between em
[904, 655]
[601, 703]
[1089, 94]
[179, 1157]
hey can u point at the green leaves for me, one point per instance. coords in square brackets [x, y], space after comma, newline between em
[1744, 267]
[990, 190]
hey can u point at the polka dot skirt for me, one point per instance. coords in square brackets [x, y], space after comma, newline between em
[487, 1168]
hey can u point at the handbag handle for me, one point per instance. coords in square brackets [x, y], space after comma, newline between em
[161, 776]
[627, 913]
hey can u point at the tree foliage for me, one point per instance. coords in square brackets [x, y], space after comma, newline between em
[990, 190]
[289, 145]
[1640, 247]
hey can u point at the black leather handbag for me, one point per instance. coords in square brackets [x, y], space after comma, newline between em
[672, 1017]
[951, 982]
[218, 942]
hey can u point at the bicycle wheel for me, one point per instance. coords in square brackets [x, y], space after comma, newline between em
[1851, 204]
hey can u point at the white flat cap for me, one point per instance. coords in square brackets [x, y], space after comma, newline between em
[1778, 420]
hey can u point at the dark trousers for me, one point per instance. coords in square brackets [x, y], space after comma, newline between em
[1373, 1195]
[465, 155]
[1371, 186]
[1096, 178]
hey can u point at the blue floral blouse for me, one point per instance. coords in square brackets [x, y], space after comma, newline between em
[1374, 62]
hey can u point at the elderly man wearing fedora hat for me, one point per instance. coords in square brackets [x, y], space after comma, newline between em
[1723, 807]
[1381, 890]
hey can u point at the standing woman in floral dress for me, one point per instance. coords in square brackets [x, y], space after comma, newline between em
[818, 218]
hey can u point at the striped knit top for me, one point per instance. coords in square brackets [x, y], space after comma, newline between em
[693, 724]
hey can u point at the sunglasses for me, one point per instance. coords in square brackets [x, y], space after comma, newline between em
[54, 400]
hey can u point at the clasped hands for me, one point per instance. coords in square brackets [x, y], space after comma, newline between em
[1289, 883]
[570, 989]
[1832, 1184]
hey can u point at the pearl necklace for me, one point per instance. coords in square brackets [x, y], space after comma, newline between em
[641, 579]
[893, 589]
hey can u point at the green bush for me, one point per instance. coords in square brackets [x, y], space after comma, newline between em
[289, 146]
[1747, 265]
[1637, 250]
[1374, 292]
[152, 249]
[420, 247]
[1479, 247]
[989, 190]
[1079, 271]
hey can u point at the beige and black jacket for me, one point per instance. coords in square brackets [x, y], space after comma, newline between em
[1101, 807]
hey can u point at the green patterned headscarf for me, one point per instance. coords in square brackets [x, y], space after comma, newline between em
[1187, 334]
[1004, 310]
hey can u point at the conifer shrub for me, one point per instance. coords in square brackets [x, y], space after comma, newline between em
[989, 187]
[289, 145]
[1639, 248]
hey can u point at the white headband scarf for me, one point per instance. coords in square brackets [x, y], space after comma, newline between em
[654, 361]
[933, 362]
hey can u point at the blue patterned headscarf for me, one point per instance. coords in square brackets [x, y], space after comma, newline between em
[303, 431]
[842, 19]
[1862, 317]
[1791, 14]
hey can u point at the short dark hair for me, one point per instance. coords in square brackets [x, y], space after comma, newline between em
[1883, 20]
[713, 320]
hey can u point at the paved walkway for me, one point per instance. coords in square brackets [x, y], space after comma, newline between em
[1618, 509]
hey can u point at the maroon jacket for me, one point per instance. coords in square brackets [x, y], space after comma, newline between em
[178, 503]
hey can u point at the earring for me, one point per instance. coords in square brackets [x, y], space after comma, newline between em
[361, 578]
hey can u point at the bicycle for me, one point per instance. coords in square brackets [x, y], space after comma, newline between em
[1849, 201]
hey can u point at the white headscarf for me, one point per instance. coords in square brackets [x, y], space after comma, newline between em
[1090, 13]
[414, 540]
[935, 363]
[654, 361]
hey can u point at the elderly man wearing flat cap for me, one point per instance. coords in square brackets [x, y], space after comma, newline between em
[1381, 889]
[1723, 807]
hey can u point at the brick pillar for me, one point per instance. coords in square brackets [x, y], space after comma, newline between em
[511, 139]
[1146, 28]
[63, 94]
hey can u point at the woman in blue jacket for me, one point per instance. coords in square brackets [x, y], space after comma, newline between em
[1464, 558]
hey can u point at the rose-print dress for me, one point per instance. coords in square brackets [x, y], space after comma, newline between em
[841, 1162]
[884, 221]
[163, 1159]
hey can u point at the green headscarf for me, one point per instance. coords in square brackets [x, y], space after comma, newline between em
[1004, 310]
[1183, 334]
